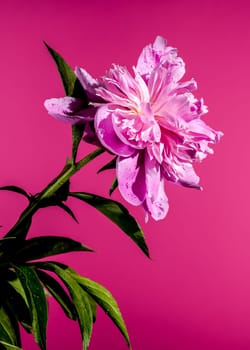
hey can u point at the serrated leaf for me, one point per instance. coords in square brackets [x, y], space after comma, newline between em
[113, 186]
[16, 189]
[37, 302]
[105, 300]
[58, 293]
[117, 213]
[44, 246]
[79, 297]
[68, 210]
[108, 166]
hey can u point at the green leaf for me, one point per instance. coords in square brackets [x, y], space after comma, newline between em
[77, 133]
[9, 332]
[117, 213]
[79, 297]
[17, 190]
[37, 302]
[20, 232]
[8, 346]
[68, 210]
[44, 246]
[93, 307]
[67, 75]
[108, 166]
[59, 294]
[105, 300]
[114, 185]
[18, 304]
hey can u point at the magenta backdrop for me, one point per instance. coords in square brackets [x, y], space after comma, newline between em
[195, 292]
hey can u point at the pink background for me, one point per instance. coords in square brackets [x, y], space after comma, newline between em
[195, 292]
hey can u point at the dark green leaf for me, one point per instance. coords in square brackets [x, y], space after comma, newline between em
[116, 212]
[20, 232]
[44, 246]
[62, 193]
[108, 166]
[68, 210]
[77, 133]
[105, 300]
[67, 75]
[93, 307]
[18, 304]
[16, 189]
[9, 332]
[7, 346]
[57, 291]
[79, 297]
[114, 185]
[71, 84]
[37, 302]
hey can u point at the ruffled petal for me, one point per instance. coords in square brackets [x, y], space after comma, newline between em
[150, 56]
[131, 178]
[159, 54]
[180, 172]
[105, 131]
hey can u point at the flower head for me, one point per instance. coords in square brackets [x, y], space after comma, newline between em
[152, 122]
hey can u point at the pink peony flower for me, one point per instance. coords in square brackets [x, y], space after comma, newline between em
[152, 122]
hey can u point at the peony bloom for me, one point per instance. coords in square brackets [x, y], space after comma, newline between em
[152, 122]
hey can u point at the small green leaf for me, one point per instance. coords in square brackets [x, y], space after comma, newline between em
[37, 302]
[68, 210]
[17, 285]
[105, 300]
[114, 185]
[59, 294]
[9, 332]
[117, 213]
[79, 297]
[44, 246]
[67, 75]
[108, 166]
[17, 190]
[77, 133]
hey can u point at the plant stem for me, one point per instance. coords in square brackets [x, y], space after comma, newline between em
[70, 169]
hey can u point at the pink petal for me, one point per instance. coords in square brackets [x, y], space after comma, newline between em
[180, 172]
[150, 56]
[88, 83]
[156, 201]
[69, 110]
[131, 179]
[105, 131]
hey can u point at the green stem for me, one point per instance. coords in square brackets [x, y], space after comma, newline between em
[69, 170]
